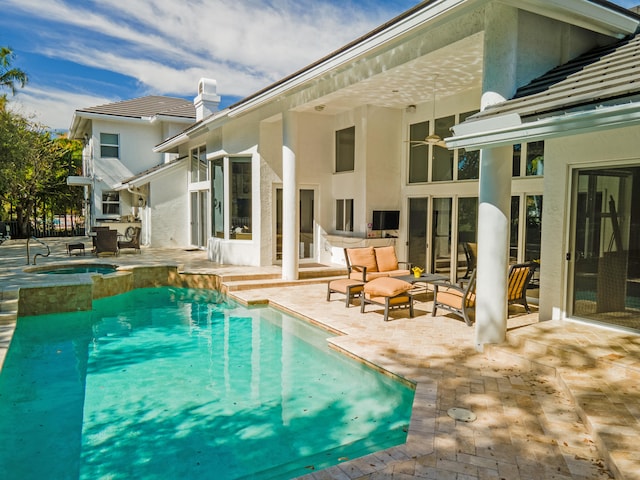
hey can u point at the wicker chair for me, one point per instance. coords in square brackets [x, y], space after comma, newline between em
[134, 242]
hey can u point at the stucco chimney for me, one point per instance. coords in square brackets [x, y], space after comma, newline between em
[207, 100]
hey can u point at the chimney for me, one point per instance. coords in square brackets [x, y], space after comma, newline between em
[207, 100]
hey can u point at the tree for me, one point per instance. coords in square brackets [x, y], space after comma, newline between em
[33, 167]
[9, 75]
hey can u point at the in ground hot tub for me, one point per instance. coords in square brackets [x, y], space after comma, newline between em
[75, 268]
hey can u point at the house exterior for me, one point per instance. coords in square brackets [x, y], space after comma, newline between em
[118, 143]
[470, 121]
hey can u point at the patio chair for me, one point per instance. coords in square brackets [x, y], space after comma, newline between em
[106, 242]
[519, 277]
[134, 242]
[94, 231]
[470, 253]
[454, 298]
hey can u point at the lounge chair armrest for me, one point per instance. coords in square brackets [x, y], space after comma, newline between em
[446, 284]
[357, 269]
[407, 265]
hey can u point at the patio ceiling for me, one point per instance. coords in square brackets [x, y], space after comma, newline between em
[458, 68]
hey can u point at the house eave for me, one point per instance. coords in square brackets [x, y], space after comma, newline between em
[484, 133]
[594, 16]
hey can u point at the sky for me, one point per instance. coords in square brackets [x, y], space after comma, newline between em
[84, 53]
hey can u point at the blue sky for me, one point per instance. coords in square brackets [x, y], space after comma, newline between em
[85, 53]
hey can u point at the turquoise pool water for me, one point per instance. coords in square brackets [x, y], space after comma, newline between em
[103, 269]
[174, 383]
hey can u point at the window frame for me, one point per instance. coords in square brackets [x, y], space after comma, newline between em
[110, 202]
[345, 151]
[105, 145]
[344, 215]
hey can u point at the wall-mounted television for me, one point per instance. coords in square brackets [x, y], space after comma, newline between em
[386, 220]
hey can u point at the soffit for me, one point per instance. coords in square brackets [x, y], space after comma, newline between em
[456, 68]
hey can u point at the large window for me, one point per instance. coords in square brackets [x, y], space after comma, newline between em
[231, 186]
[418, 153]
[110, 203]
[443, 157]
[199, 165]
[344, 215]
[217, 185]
[109, 145]
[240, 198]
[467, 235]
[532, 233]
[435, 162]
[468, 162]
[535, 158]
[345, 149]
[533, 155]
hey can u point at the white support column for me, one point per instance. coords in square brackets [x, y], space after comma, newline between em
[494, 196]
[290, 230]
[494, 211]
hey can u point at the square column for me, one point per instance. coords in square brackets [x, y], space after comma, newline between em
[290, 214]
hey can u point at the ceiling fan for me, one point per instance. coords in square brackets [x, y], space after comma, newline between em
[432, 139]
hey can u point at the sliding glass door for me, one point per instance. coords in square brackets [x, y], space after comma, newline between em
[606, 246]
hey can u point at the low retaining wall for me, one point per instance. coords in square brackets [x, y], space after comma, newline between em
[70, 296]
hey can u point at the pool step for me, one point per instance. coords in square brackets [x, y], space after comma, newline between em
[235, 282]
[234, 286]
[8, 306]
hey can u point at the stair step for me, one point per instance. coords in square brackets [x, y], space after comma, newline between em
[272, 283]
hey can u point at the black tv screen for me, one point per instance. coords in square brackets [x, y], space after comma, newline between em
[386, 220]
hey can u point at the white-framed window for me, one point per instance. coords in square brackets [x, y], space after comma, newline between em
[110, 203]
[109, 145]
[344, 215]
[532, 154]
[345, 149]
[199, 164]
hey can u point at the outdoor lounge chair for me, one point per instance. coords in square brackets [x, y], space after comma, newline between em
[470, 253]
[518, 282]
[106, 241]
[134, 242]
[388, 292]
[367, 263]
[455, 299]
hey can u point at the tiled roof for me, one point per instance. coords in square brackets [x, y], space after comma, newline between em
[604, 76]
[146, 107]
[152, 170]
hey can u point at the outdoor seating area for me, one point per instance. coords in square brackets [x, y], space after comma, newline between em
[374, 276]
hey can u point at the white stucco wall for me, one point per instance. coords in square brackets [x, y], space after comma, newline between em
[603, 148]
[136, 143]
[169, 206]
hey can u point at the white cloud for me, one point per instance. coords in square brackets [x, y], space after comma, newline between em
[166, 46]
[52, 108]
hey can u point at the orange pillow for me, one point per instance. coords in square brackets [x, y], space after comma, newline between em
[386, 287]
[363, 256]
[386, 258]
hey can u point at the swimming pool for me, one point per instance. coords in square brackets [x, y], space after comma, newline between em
[176, 383]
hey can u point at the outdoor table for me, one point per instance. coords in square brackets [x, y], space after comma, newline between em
[425, 278]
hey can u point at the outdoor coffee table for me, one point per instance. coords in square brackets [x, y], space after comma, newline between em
[425, 278]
